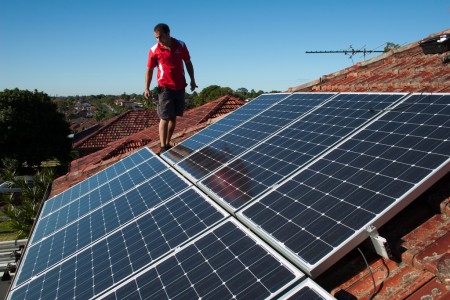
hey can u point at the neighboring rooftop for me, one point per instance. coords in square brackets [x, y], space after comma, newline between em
[123, 125]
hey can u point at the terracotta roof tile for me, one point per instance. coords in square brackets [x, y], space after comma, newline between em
[404, 69]
[121, 126]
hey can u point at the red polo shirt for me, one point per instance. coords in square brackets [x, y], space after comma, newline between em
[170, 64]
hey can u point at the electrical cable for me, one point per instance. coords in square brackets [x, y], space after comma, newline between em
[371, 274]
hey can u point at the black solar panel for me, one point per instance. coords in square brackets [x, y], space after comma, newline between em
[222, 126]
[111, 258]
[98, 223]
[248, 134]
[98, 179]
[361, 182]
[283, 153]
[98, 196]
[226, 263]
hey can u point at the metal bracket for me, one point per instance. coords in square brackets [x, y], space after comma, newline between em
[379, 243]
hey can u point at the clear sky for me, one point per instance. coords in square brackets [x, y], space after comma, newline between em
[90, 47]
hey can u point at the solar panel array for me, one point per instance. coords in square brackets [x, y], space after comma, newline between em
[284, 152]
[306, 172]
[244, 136]
[228, 262]
[364, 180]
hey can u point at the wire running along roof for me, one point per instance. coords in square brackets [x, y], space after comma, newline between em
[307, 172]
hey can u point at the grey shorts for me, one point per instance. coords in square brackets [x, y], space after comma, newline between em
[170, 103]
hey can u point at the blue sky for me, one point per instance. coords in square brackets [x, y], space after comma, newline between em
[90, 47]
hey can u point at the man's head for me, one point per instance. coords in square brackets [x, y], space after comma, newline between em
[162, 34]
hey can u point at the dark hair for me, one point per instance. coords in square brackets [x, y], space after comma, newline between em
[162, 27]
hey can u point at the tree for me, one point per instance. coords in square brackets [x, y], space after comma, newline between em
[390, 46]
[211, 93]
[22, 213]
[31, 128]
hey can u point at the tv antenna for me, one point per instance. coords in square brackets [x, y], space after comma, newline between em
[351, 52]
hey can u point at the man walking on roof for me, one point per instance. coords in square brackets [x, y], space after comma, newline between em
[168, 55]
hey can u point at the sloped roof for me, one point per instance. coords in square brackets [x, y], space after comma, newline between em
[403, 69]
[118, 127]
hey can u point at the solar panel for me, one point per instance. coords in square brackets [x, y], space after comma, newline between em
[124, 251]
[222, 126]
[286, 151]
[98, 196]
[95, 225]
[226, 263]
[307, 290]
[323, 211]
[94, 181]
[248, 134]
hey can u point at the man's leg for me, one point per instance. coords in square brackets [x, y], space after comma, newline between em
[166, 129]
[170, 129]
[163, 131]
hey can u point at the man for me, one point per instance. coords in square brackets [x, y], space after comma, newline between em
[168, 55]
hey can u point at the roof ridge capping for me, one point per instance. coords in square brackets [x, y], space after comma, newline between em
[363, 63]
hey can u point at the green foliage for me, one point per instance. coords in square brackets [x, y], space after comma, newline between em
[8, 173]
[389, 46]
[211, 93]
[22, 213]
[31, 128]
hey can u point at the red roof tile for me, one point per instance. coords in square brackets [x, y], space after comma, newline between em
[403, 69]
[119, 127]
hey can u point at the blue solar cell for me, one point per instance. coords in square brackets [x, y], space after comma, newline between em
[225, 263]
[97, 196]
[95, 180]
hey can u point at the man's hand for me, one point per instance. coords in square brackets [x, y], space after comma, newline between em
[146, 93]
[193, 85]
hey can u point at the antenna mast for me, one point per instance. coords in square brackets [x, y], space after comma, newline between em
[350, 52]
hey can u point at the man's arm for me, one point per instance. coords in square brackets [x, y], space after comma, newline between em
[148, 80]
[190, 70]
